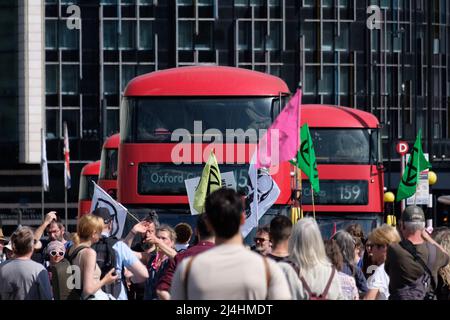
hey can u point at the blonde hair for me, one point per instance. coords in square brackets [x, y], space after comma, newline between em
[86, 227]
[443, 238]
[384, 235]
[306, 246]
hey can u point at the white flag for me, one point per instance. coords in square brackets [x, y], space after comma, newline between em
[101, 199]
[44, 166]
[262, 194]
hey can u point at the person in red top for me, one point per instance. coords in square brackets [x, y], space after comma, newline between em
[205, 242]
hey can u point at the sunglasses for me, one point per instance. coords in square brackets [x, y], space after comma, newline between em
[260, 239]
[53, 253]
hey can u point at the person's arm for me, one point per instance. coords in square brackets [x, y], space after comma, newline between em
[163, 294]
[132, 263]
[169, 251]
[371, 294]
[40, 230]
[140, 227]
[90, 286]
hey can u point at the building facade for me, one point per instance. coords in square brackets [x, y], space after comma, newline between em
[372, 55]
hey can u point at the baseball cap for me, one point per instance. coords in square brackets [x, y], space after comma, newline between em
[102, 213]
[413, 214]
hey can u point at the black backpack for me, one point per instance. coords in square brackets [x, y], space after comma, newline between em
[64, 278]
[424, 287]
[106, 260]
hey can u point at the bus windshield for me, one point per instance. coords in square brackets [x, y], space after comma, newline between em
[345, 146]
[108, 167]
[86, 187]
[155, 119]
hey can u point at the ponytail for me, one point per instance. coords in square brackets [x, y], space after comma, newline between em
[76, 239]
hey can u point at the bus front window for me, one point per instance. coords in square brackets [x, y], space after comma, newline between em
[156, 119]
[341, 146]
[108, 167]
[86, 187]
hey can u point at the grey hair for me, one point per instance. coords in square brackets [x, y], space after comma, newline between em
[346, 243]
[306, 246]
[413, 226]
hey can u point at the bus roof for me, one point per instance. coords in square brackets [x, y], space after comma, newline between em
[327, 116]
[206, 81]
[91, 169]
[112, 142]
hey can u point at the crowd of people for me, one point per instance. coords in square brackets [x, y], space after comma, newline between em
[287, 261]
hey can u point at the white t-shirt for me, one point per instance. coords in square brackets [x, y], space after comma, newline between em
[230, 272]
[379, 280]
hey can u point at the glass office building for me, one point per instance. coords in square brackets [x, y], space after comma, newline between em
[372, 55]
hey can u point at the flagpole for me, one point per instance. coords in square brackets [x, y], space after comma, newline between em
[133, 216]
[42, 179]
[65, 206]
[313, 206]
[42, 201]
[298, 172]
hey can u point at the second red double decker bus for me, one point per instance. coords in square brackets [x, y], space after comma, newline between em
[107, 179]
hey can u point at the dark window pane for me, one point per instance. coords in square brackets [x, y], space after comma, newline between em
[111, 79]
[51, 79]
[146, 35]
[110, 35]
[70, 77]
[51, 34]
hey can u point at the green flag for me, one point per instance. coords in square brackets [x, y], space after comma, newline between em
[416, 164]
[209, 182]
[306, 158]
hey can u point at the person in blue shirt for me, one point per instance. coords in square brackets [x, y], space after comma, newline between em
[124, 256]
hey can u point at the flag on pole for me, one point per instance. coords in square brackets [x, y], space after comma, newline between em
[67, 182]
[209, 182]
[416, 163]
[44, 165]
[101, 199]
[262, 194]
[306, 158]
[283, 133]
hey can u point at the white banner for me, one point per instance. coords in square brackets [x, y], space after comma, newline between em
[101, 199]
[228, 181]
[260, 201]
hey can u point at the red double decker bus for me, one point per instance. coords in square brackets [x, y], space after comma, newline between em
[347, 145]
[88, 174]
[224, 105]
[107, 178]
[203, 102]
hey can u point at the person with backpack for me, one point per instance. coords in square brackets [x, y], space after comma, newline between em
[87, 273]
[112, 253]
[310, 274]
[228, 271]
[413, 264]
